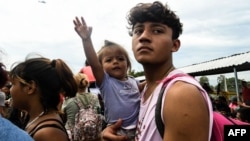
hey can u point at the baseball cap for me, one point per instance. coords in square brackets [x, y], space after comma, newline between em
[2, 99]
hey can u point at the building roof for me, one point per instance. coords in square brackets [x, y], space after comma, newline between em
[240, 62]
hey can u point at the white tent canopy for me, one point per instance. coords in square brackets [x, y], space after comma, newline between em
[234, 63]
[240, 62]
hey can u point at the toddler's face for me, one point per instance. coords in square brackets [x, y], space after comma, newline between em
[115, 64]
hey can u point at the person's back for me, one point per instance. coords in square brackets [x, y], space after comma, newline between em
[70, 106]
[85, 99]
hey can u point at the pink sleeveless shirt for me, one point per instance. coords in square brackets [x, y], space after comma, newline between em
[146, 127]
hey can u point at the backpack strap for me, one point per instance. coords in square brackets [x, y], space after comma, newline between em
[158, 120]
[89, 103]
[78, 102]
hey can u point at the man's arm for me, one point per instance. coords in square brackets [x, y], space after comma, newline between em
[186, 114]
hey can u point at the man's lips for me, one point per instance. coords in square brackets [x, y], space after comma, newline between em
[144, 48]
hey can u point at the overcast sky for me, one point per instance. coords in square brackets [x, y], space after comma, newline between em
[212, 29]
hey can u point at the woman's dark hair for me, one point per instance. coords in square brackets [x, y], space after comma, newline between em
[112, 45]
[155, 12]
[51, 77]
[3, 75]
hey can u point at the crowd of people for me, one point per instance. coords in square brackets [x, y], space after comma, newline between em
[39, 96]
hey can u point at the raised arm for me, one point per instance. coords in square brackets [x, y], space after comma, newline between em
[84, 32]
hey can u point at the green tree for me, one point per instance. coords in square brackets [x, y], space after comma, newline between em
[231, 84]
[136, 74]
[204, 79]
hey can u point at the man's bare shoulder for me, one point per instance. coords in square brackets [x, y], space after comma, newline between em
[184, 95]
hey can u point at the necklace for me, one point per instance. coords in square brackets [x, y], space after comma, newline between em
[140, 124]
[34, 119]
[150, 86]
[169, 70]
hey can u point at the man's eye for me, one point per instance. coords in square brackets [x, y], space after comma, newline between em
[137, 31]
[157, 31]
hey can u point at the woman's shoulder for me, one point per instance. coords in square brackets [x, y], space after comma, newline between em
[49, 128]
[51, 124]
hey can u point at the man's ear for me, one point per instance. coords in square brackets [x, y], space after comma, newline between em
[31, 87]
[176, 45]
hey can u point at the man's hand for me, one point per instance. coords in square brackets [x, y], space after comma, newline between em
[109, 133]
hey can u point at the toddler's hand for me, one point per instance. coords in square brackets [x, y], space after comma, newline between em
[82, 29]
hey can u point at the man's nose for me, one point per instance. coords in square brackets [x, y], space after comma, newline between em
[145, 36]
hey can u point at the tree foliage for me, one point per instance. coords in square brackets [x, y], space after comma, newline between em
[230, 84]
[204, 79]
[136, 74]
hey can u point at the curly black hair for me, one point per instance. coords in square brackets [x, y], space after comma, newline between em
[155, 12]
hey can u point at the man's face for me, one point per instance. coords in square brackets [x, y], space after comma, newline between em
[152, 42]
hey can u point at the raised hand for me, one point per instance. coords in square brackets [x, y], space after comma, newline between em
[82, 29]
